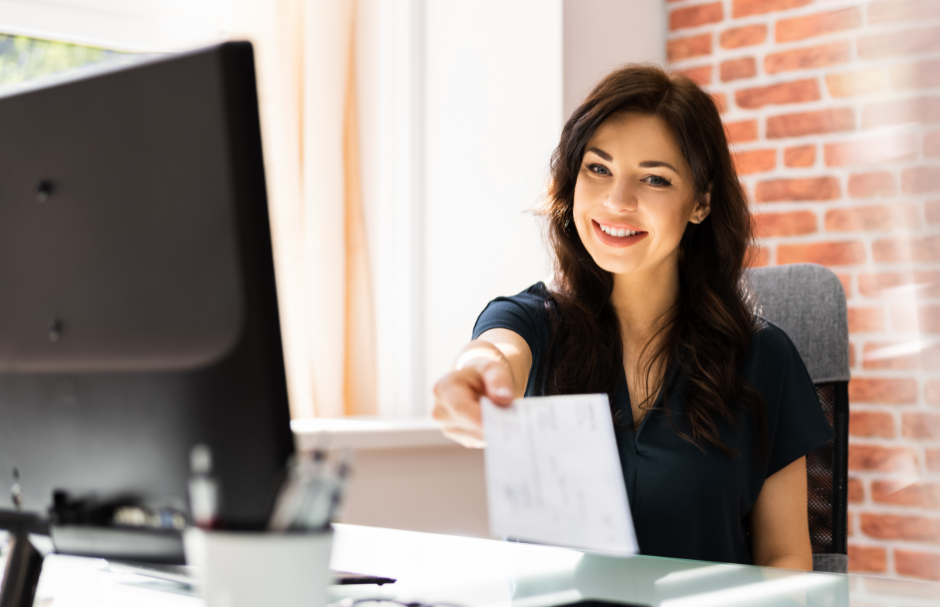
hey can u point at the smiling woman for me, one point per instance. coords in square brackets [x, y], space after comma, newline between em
[713, 408]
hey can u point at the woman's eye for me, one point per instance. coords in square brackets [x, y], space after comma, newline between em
[656, 180]
[598, 169]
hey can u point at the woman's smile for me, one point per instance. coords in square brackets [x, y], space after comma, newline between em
[617, 234]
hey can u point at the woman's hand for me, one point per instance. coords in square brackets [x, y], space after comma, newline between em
[485, 367]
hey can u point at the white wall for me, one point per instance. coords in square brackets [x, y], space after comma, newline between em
[599, 35]
[492, 116]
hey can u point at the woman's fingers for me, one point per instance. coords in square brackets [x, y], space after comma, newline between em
[497, 379]
[457, 397]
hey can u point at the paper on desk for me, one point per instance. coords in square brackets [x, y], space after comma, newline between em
[553, 474]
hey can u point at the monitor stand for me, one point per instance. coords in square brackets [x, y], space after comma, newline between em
[24, 561]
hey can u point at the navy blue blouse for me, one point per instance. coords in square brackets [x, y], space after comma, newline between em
[686, 503]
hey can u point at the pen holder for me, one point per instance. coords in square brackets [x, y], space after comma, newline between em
[255, 569]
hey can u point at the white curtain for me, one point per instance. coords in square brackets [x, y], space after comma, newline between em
[306, 82]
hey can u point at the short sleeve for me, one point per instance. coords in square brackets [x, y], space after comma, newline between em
[800, 426]
[522, 314]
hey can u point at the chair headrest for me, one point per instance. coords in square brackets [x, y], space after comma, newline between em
[807, 301]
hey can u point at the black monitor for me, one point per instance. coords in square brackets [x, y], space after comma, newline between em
[138, 311]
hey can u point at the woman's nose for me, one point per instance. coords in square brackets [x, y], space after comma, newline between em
[622, 197]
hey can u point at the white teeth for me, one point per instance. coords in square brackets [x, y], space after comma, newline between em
[618, 232]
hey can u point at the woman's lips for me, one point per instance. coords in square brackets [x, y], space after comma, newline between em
[616, 241]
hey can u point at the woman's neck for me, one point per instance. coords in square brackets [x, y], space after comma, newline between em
[642, 299]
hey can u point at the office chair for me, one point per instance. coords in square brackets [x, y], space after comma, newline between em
[808, 302]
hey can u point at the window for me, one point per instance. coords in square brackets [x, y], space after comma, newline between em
[23, 58]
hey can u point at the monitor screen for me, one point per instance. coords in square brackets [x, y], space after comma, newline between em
[138, 310]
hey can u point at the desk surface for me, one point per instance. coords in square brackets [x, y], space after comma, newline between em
[471, 572]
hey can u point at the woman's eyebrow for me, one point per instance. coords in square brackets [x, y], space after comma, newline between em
[602, 154]
[648, 164]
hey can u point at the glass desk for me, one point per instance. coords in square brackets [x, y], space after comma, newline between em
[474, 572]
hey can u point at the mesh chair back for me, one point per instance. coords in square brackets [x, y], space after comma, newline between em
[807, 301]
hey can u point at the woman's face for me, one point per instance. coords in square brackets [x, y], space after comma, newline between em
[634, 195]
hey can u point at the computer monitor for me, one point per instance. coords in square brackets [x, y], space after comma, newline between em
[138, 310]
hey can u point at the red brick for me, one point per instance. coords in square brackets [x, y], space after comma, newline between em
[701, 75]
[932, 144]
[866, 185]
[871, 423]
[757, 257]
[851, 355]
[810, 123]
[792, 223]
[755, 161]
[823, 55]
[888, 113]
[866, 320]
[743, 36]
[871, 150]
[867, 559]
[920, 426]
[877, 458]
[746, 8]
[846, 280]
[800, 28]
[900, 250]
[907, 42]
[903, 493]
[919, 75]
[917, 180]
[737, 69]
[901, 527]
[856, 491]
[914, 563]
[850, 523]
[862, 82]
[932, 211]
[823, 253]
[893, 11]
[721, 102]
[800, 156]
[812, 188]
[872, 218]
[932, 392]
[927, 283]
[695, 16]
[881, 390]
[693, 46]
[797, 91]
[741, 132]
[932, 457]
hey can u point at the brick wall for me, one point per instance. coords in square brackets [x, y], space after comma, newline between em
[833, 108]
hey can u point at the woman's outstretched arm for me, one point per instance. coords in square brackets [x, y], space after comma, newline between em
[495, 366]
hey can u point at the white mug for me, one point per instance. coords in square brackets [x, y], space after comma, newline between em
[260, 569]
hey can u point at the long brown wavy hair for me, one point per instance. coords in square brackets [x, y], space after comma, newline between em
[709, 329]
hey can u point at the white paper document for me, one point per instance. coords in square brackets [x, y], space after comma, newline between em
[553, 474]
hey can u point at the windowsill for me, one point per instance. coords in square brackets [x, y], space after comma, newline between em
[368, 433]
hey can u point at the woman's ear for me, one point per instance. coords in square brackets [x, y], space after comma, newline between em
[702, 208]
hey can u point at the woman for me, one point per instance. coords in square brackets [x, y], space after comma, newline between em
[713, 408]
